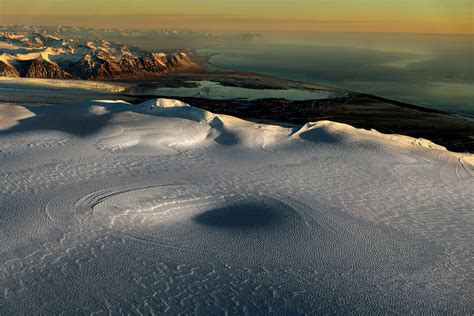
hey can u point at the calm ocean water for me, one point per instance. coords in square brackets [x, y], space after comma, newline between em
[435, 71]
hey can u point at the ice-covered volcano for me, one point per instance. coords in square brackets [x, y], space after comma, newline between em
[109, 207]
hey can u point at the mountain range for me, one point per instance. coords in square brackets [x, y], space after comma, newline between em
[41, 55]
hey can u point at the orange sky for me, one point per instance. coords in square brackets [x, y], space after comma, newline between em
[420, 16]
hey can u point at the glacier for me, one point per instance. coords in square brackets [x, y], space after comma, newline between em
[164, 208]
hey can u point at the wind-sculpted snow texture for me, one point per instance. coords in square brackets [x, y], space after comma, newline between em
[162, 208]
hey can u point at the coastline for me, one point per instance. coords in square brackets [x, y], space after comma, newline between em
[360, 110]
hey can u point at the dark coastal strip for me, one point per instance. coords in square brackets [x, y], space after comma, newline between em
[359, 110]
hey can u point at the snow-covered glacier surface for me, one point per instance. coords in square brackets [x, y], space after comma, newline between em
[162, 208]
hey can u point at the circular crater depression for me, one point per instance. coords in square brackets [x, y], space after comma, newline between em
[152, 208]
[218, 222]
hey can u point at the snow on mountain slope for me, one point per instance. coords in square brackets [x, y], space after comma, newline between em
[59, 58]
[163, 208]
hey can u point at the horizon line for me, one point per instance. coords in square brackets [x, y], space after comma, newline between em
[243, 30]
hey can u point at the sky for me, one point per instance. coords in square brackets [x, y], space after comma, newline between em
[401, 16]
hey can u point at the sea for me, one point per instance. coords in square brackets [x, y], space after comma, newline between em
[430, 70]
